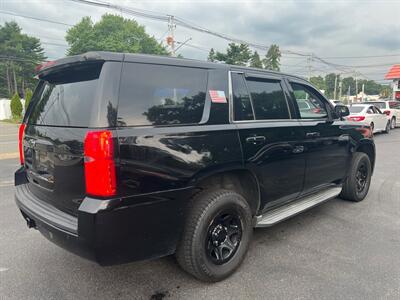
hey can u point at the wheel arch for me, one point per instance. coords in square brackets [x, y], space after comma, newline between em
[368, 147]
[241, 180]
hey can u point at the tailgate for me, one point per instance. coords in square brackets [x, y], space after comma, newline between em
[66, 104]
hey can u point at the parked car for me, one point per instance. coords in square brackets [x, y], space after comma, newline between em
[128, 157]
[370, 114]
[391, 109]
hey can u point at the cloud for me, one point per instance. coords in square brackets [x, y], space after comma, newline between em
[326, 28]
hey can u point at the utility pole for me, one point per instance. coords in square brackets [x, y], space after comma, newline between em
[340, 89]
[362, 92]
[309, 60]
[171, 34]
[356, 86]
[334, 90]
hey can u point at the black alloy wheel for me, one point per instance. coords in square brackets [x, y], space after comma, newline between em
[361, 177]
[223, 237]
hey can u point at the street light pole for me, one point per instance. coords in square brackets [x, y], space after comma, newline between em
[171, 34]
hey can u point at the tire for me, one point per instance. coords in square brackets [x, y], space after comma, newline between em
[393, 123]
[202, 240]
[352, 191]
[388, 127]
[372, 127]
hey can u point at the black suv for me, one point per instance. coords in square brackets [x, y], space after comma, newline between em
[127, 157]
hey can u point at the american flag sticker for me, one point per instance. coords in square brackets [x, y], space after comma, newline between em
[217, 96]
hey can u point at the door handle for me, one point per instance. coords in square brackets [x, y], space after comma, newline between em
[256, 139]
[313, 134]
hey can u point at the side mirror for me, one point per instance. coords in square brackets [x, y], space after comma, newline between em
[341, 111]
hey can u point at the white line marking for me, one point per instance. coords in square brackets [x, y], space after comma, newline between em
[3, 269]
[9, 142]
[6, 183]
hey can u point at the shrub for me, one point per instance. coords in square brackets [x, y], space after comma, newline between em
[16, 106]
[28, 96]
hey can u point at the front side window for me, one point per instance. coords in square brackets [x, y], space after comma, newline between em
[161, 95]
[309, 103]
[268, 98]
[241, 100]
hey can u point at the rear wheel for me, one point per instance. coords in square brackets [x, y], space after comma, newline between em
[216, 235]
[388, 126]
[393, 123]
[356, 186]
[372, 127]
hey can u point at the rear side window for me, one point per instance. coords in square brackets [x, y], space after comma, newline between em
[67, 97]
[161, 95]
[394, 104]
[269, 102]
[242, 105]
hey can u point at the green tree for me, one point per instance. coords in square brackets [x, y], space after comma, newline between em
[318, 82]
[28, 97]
[211, 55]
[346, 83]
[111, 33]
[236, 54]
[272, 58]
[255, 61]
[16, 106]
[20, 55]
[330, 84]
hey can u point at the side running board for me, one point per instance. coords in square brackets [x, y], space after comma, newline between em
[286, 211]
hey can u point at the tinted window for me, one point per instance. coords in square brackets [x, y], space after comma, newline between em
[356, 109]
[241, 99]
[161, 95]
[309, 103]
[66, 98]
[268, 99]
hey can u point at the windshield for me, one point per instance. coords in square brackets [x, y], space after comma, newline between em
[356, 109]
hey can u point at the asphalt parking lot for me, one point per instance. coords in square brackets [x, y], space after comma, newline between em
[339, 250]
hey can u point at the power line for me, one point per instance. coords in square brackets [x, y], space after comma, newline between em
[123, 9]
[33, 18]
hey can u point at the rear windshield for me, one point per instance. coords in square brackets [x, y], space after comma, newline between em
[381, 105]
[161, 95]
[67, 97]
[356, 109]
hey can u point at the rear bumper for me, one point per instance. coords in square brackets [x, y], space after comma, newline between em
[110, 231]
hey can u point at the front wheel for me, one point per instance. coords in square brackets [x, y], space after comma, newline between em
[356, 185]
[216, 235]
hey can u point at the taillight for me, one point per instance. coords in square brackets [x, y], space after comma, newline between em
[365, 131]
[99, 164]
[386, 112]
[356, 118]
[21, 134]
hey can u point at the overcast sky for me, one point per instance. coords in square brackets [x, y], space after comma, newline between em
[328, 29]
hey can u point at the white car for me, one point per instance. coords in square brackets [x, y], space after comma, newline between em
[371, 115]
[391, 109]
